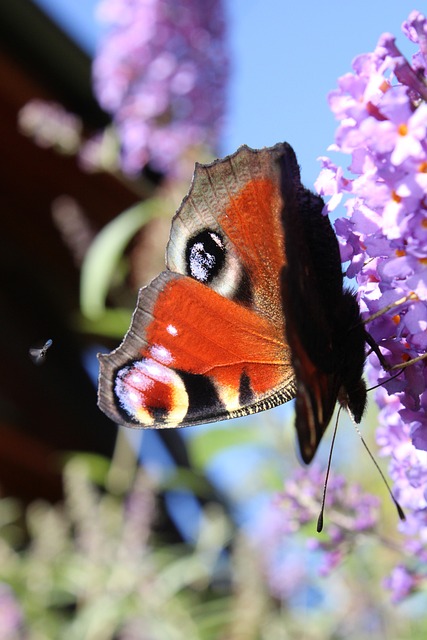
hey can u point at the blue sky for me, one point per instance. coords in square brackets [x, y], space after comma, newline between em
[286, 56]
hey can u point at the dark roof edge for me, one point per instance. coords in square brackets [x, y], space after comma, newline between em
[50, 55]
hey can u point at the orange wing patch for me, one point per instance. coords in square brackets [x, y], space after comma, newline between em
[251, 221]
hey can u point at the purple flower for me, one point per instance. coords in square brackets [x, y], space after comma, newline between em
[401, 582]
[349, 512]
[161, 72]
[383, 125]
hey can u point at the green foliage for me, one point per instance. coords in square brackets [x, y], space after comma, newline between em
[92, 569]
[101, 267]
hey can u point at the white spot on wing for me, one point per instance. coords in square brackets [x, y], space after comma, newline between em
[172, 330]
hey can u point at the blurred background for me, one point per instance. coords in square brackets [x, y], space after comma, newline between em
[106, 533]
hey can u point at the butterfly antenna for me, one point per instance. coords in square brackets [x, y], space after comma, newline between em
[383, 382]
[396, 504]
[328, 468]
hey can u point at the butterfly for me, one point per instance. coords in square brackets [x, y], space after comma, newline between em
[250, 312]
[38, 354]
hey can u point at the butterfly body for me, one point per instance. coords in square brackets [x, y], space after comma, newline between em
[323, 324]
[249, 312]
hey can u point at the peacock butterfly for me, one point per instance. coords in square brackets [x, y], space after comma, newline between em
[249, 313]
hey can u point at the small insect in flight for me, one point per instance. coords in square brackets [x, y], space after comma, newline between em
[38, 354]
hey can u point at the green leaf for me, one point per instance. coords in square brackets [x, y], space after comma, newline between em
[112, 323]
[105, 252]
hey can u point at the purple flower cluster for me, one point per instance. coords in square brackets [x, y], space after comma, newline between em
[161, 72]
[382, 110]
[349, 513]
